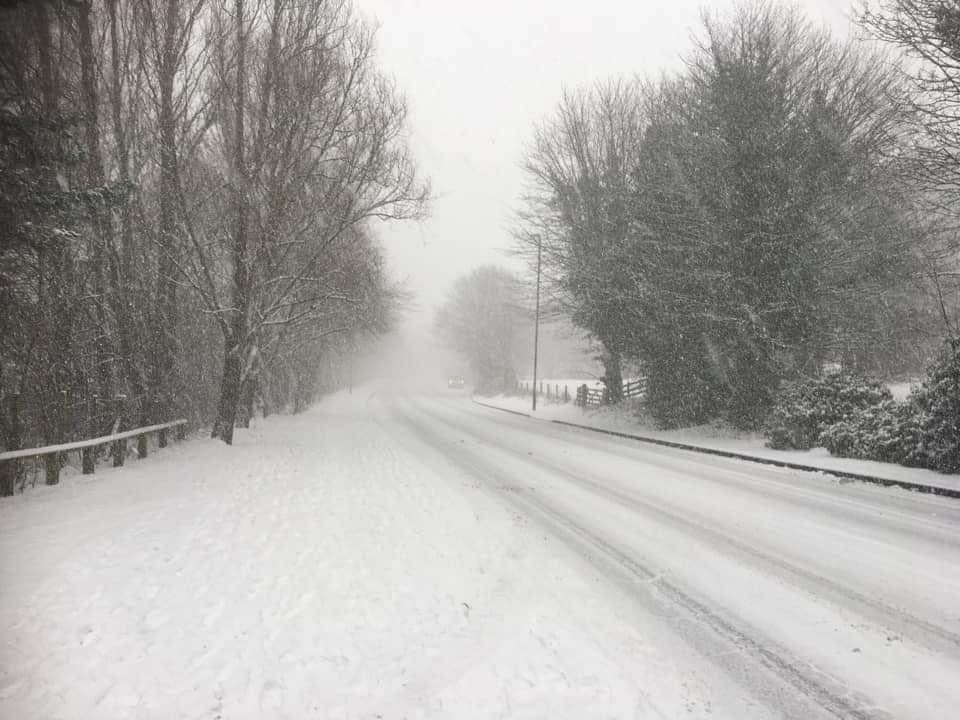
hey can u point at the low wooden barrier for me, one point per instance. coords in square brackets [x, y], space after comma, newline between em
[546, 390]
[635, 388]
[53, 454]
[585, 396]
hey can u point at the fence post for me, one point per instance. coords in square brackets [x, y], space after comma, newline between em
[9, 472]
[119, 452]
[182, 431]
[52, 461]
[87, 460]
[162, 438]
[142, 446]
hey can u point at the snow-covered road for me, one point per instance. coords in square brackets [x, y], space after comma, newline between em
[420, 556]
[820, 598]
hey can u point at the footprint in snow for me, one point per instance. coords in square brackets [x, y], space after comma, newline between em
[271, 696]
[88, 634]
[155, 619]
[214, 615]
[120, 696]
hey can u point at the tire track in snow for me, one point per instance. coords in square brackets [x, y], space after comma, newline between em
[829, 695]
[896, 620]
[814, 692]
[907, 512]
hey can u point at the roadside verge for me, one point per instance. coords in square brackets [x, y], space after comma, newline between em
[873, 479]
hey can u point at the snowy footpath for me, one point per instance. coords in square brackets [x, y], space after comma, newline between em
[321, 568]
[403, 557]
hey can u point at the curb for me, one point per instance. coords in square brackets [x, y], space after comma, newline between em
[872, 479]
[494, 407]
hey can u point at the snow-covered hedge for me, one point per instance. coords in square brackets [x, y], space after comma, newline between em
[858, 418]
[806, 408]
[887, 432]
[936, 405]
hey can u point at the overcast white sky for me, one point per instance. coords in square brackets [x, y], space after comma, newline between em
[478, 75]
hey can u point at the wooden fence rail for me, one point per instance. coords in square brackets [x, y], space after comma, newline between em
[549, 391]
[53, 454]
[635, 388]
[585, 396]
[591, 397]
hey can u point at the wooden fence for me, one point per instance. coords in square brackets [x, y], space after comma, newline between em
[591, 397]
[549, 391]
[583, 395]
[635, 388]
[53, 454]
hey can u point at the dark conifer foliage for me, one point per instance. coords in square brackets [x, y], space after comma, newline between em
[187, 196]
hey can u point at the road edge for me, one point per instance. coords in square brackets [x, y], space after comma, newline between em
[872, 479]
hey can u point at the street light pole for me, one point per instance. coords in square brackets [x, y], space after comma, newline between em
[536, 327]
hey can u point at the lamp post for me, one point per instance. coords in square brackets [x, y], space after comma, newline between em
[536, 326]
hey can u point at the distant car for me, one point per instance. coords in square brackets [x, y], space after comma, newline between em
[455, 382]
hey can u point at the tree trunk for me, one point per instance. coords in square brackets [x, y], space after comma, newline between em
[235, 343]
[612, 376]
[121, 259]
[248, 397]
[102, 221]
[266, 397]
[166, 320]
[50, 258]
[229, 392]
[11, 471]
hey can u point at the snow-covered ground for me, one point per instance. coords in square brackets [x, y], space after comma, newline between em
[423, 557]
[327, 566]
[901, 390]
[625, 419]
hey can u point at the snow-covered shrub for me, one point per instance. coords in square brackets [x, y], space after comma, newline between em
[937, 406]
[888, 432]
[804, 409]
[924, 431]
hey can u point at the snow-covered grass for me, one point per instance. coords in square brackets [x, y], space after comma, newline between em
[572, 383]
[323, 567]
[901, 390]
[625, 418]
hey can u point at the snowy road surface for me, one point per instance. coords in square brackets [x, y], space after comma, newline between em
[399, 557]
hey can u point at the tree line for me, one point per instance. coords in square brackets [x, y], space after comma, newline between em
[188, 190]
[784, 202]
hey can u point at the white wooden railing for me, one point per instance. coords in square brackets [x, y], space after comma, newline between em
[53, 454]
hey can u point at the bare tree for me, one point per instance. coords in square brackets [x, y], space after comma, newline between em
[209, 222]
[479, 320]
[168, 30]
[928, 32]
[579, 168]
[324, 155]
